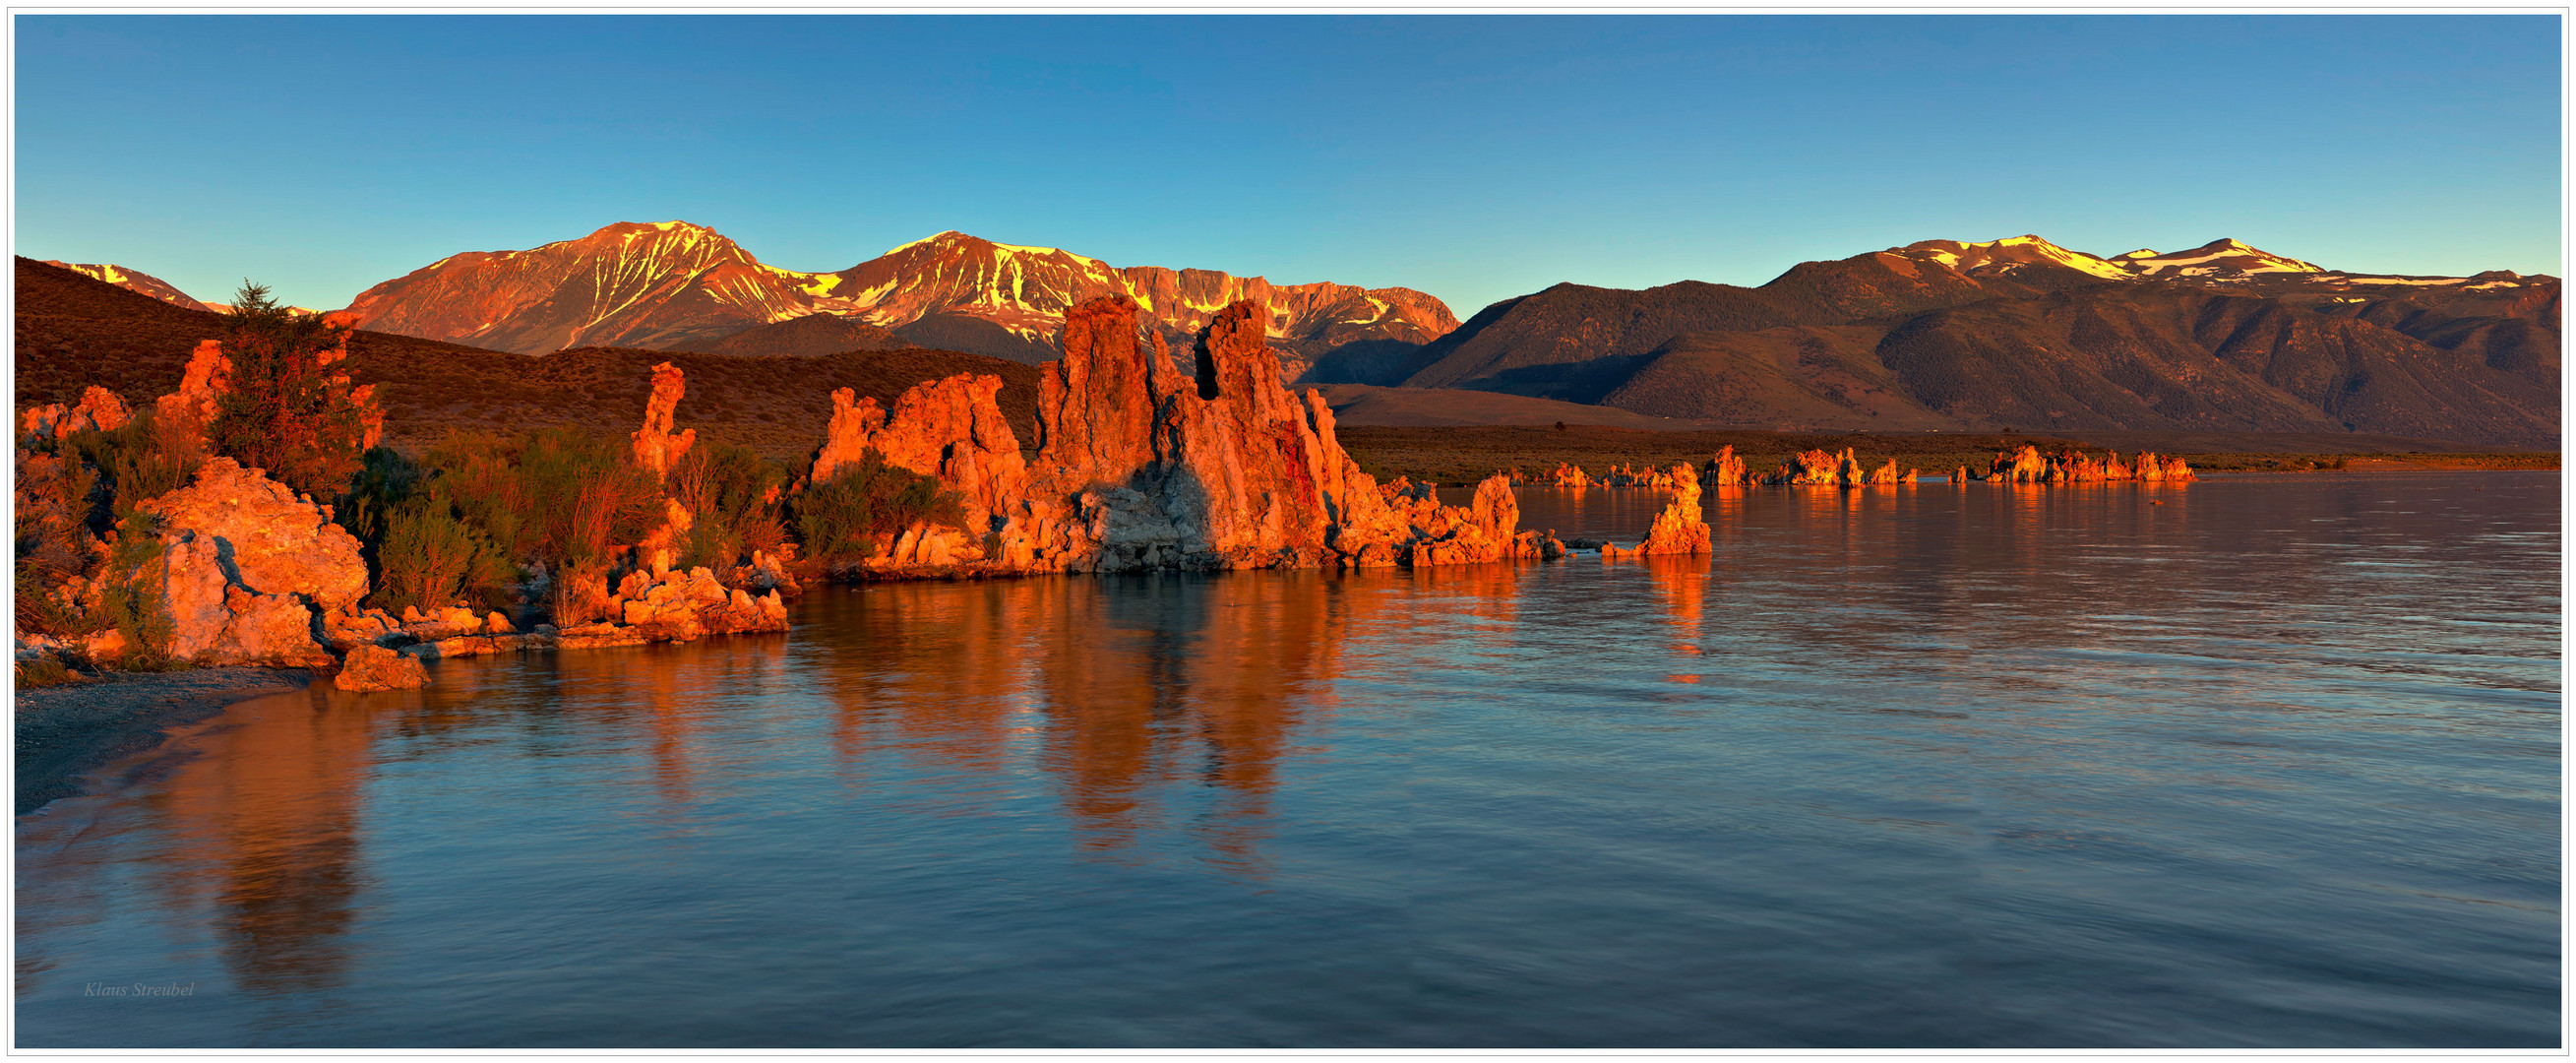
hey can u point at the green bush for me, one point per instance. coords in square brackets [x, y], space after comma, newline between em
[728, 491]
[840, 518]
[285, 410]
[53, 544]
[43, 672]
[138, 567]
[430, 559]
[556, 495]
[137, 462]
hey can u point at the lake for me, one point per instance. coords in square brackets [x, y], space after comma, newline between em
[2254, 761]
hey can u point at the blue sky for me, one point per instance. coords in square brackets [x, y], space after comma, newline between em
[1475, 158]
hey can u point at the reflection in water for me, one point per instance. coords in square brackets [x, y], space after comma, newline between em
[1681, 582]
[271, 840]
[2007, 766]
[1165, 679]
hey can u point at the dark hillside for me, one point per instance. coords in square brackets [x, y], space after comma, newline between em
[73, 331]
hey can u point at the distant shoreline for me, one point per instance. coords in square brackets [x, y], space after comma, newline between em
[1463, 454]
[67, 730]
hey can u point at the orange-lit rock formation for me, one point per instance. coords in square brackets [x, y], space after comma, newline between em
[208, 376]
[2028, 465]
[1725, 469]
[246, 561]
[949, 429]
[656, 446]
[98, 410]
[1142, 465]
[378, 668]
[1681, 528]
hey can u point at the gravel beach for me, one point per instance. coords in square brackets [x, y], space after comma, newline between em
[69, 729]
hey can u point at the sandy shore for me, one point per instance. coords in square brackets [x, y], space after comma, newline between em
[69, 729]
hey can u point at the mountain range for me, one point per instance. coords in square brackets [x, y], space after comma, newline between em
[1936, 335]
[674, 285]
[1942, 335]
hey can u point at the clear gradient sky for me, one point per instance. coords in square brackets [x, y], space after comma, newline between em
[1475, 158]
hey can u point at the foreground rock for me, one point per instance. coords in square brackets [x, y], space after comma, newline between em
[245, 562]
[378, 668]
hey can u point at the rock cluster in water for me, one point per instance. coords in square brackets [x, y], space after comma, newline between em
[2028, 466]
[1834, 470]
[1143, 465]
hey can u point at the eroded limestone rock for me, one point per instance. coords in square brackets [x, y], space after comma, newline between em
[270, 539]
[656, 446]
[1681, 528]
[951, 429]
[377, 668]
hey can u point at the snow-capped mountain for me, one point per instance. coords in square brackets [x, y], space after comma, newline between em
[2006, 255]
[626, 285]
[672, 284]
[2215, 260]
[2224, 263]
[135, 280]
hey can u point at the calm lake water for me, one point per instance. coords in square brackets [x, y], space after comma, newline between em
[2273, 762]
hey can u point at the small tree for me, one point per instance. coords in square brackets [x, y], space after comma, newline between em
[285, 411]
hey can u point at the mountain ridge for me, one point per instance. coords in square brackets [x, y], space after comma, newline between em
[678, 284]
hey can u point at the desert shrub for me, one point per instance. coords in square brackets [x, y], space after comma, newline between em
[46, 671]
[385, 481]
[286, 411]
[728, 491]
[840, 518]
[136, 462]
[555, 495]
[138, 567]
[580, 593]
[431, 559]
[52, 508]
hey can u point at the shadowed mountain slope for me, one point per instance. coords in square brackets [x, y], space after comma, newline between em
[2023, 333]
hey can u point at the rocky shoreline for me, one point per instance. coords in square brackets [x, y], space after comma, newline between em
[1146, 459]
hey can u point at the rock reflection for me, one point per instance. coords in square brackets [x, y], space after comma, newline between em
[264, 825]
[1681, 583]
[1155, 702]
[670, 695]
